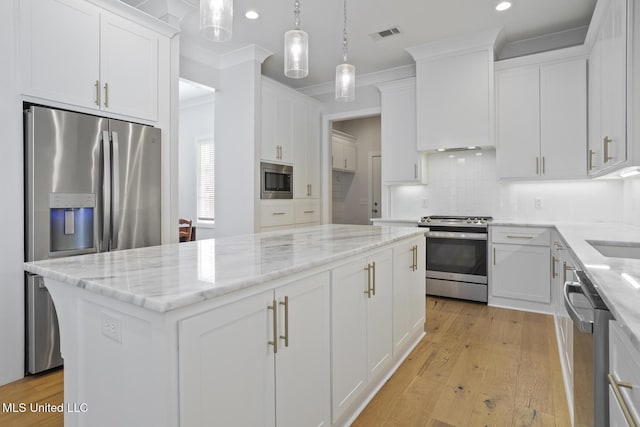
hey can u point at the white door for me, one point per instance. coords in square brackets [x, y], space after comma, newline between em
[227, 365]
[128, 68]
[375, 182]
[303, 361]
[348, 335]
[380, 314]
[60, 51]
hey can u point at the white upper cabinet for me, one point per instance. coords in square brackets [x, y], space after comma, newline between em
[128, 68]
[60, 51]
[542, 120]
[343, 151]
[608, 90]
[306, 166]
[278, 122]
[401, 162]
[455, 92]
[75, 53]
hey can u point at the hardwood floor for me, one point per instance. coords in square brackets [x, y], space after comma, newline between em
[477, 366]
[43, 389]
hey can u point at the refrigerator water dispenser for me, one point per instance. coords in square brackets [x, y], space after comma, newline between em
[71, 223]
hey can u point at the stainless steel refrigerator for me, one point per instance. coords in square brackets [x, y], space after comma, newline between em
[92, 184]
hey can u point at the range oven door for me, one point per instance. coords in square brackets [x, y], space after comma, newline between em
[457, 256]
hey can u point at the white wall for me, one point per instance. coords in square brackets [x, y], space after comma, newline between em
[631, 201]
[351, 191]
[366, 97]
[470, 187]
[196, 120]
[236, 137]
[12, 248]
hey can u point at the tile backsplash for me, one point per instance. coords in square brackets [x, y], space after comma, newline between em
[465, 183]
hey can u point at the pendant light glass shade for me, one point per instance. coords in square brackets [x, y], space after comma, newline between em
[296, 54]
[345, 82]
[216, 19]
[296, 48]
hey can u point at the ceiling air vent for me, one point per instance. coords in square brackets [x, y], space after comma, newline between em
[389, 32]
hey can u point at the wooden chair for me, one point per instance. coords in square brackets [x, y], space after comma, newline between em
[185, 229]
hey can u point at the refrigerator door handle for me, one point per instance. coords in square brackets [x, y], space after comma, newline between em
[106, 192]
[115, 190]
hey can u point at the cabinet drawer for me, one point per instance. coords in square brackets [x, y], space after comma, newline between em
[521, 235]
[276, 213]
[307, 211]
[624, 365]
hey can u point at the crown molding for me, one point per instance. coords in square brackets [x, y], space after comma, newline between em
[362, 80]
[252, 52]
[465, 42]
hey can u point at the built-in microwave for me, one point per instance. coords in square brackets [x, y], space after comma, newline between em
[276, 181]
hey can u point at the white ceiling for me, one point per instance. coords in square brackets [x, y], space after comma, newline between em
[420, 21]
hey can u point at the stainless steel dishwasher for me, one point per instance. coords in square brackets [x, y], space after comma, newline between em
[590, 317]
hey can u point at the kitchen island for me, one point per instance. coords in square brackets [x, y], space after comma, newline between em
[295, 327]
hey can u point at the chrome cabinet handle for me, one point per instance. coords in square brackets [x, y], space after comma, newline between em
[606, 142]
[106, 95]
[97, 86]
[543, 168]
[494, 255]
[520, 237]
[591, 153]
[274, 343]
[308, 212]
[278, 213]
[345, 163]
[415, 170]
[537, 166]
[554, 273]
[373, 265]
[368, 291]
[615, 385]
[566, 268]
[285, 337]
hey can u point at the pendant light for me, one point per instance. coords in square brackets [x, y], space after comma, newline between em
[345, 73]
[296, 48]
[216, 19]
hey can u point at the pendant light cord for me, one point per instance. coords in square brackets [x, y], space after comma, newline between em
[345, 43]
[296, 13]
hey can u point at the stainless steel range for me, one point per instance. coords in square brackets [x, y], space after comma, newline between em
[457, 256]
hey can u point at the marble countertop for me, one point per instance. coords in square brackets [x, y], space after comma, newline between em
[616, 279]
[408, 221]
[166, 277]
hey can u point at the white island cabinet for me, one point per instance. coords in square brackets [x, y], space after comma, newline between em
[245, 331]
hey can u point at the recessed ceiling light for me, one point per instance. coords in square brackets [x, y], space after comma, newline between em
[503, 5]
[252, 14]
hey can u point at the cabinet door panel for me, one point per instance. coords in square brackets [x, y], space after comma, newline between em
[350, 156]
[129, 66]
[408, 293]
[284, 128]
[313, 151]
[418, 289]
[563, 121]
[269, 145]
[300, 184]
[227, 365]
[379, 314]
[521, 272]
[60, 50]
[517, 154]
[348, 335]
[302, 368]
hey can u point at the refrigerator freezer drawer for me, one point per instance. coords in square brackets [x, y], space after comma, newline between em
[43, 336]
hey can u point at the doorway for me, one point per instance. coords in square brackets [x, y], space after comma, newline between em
[355, 176]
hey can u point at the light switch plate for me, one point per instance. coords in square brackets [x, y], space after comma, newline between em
[538, 202]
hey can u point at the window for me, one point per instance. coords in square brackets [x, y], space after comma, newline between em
[206, 192]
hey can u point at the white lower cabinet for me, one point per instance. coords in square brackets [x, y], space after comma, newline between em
[361, 327]
[520, 268]
[624, 379]
[232, 374]
[408, 293]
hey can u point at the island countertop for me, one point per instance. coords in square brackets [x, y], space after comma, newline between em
[167, 277]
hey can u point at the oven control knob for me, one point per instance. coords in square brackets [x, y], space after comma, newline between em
[428, 219]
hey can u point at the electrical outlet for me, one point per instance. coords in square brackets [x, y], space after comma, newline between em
[111, 327]
[538, 202]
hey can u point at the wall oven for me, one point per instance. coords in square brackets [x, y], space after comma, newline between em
[457, 257]
[276, 181]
